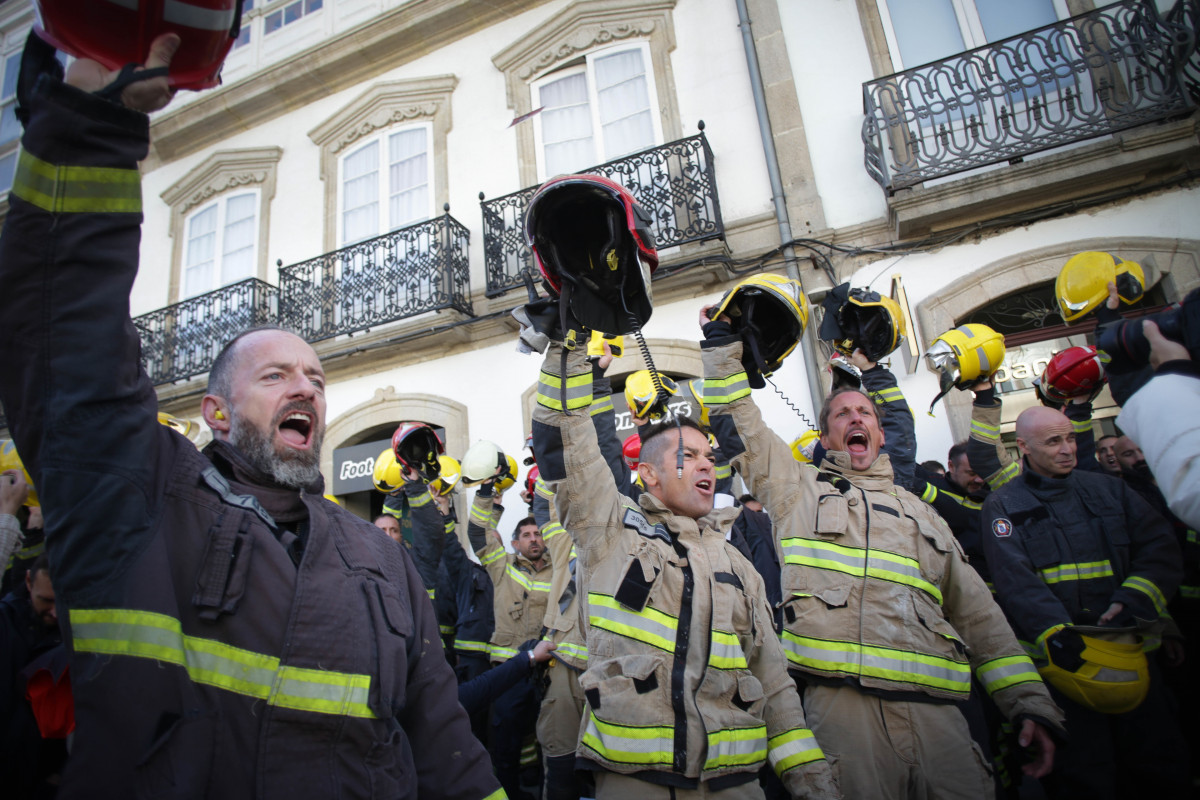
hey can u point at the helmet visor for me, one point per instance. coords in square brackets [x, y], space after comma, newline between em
[941, 359]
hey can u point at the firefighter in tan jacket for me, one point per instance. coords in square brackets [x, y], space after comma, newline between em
[884, 619]
[687, 688]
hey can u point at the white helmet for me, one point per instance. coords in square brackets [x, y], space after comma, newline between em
[480, 463]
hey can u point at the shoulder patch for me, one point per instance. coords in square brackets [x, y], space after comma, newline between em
[639, 523]
[1002, 527]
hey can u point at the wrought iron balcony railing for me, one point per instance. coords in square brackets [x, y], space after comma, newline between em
[182, 340]
[401, 274]
[676, 182]
[1097, 73]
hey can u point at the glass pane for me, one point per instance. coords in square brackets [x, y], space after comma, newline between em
[243, 38]
[200, 255]
[293, 12]
[1004, 18]
[8, 167]
[624, 103]
[272, 22]
[567, 125]
[360, 193]
[10, 128]
[238, 241]
[408, 177]
[926, 30]
[311, 6]
[12, 69]
[246, 6]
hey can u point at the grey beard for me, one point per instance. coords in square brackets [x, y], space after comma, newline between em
[292, 469]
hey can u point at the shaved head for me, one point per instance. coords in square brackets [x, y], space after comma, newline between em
[1046, 438]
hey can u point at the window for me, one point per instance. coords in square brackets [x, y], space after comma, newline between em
[222, 244]
[274, 20]
[377, 199]
[243, 38]
[922, 31]
[596, 110]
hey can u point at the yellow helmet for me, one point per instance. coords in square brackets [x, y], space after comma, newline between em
[802, 446]
[1082, 283]
[1105, 671]
[509, 478]
[183, 426]
[770, 313]
[860, 319]
[694, 393]
[10, 460]
[388, 477]
[448, 476]
[963, 356]
[642, 395]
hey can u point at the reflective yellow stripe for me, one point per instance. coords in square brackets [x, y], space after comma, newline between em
[499, 794]
[726, 652]
[733, 747]
[1000, 673]
[793, 748]
[571, 650]
[628, 744]
[26, 553]
[649, 626]
[420, 500]
[529, 584]
[1081, 426]
[540, 487]
[579, 391]
[890, 395]
[431, 593]
[1005, 475]
[470, 646]
[719, 392]
[62, 189]
[498, 653]
[602, 405]
[984, 430]
[1084, 570]
[449, 526]
[877, 564]
[930, 494]
[1190, 592]
[495, 555]
[145, 634]
[552, 529]
[482, 514]
[1147, 588]
[446, 630]
[831, 656]
[723, 471]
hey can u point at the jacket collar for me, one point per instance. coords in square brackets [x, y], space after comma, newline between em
[284, 505]
[1043, 485]
[718, 521]
[878, 476]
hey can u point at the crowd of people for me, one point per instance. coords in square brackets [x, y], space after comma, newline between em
[206, 624]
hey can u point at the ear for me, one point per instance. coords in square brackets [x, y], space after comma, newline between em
[216, 415]
[824, 440]
[648, 474]
[1024, 448]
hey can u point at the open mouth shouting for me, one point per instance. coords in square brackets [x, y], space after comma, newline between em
[704, 486]
[857, 442]
[296, 425]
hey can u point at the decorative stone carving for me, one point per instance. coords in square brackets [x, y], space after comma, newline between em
[585, 39]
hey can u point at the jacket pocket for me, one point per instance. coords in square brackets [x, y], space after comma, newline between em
[1043, 549]
[392, 625]
[631, 690]
[833, 515]
[179, 762]
[945, 638]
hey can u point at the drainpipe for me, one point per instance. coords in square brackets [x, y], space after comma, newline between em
[808, 341]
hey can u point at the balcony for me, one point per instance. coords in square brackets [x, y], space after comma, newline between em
[1093, 75]
[676, 182]
[407, 272]
[182, 340]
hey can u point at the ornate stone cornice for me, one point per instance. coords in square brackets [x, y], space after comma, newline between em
[585, 39]
[224, 170]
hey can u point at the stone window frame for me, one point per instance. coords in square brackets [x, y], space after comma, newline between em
[383, 105]
[581, 27]
[222, 172]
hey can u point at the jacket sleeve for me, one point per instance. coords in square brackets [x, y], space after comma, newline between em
[604, 419]
[450, 761]
[477, 694]
[1156, 563]
[985, 452]
[999, 662]
[68, 259]
[11, 538]
[1172, 450]
[1080, 415]
[454, 556]
[492, 554]
[899, 427]
[428, 528]
[1027, 601]
[569, 457]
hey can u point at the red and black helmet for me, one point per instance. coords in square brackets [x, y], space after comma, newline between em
[1074, 372]
[531, 478]
[631, 450]
[120, 33]
[589, 234]
[417, 447]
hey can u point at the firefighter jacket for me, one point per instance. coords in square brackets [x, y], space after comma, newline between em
[876, 589]
[229, 638]
[1062, 550]
[686, 682]
[429, 543]
[521, 590]
[475, 620]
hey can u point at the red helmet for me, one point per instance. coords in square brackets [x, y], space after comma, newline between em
[119, 33]
[632, 450]
[1074, 372]
[590, 233]
[531, 478]
[417, 447]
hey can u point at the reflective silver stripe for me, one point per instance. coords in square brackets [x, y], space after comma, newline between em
[192, 16]
[1000, 673]
[470, 646]
[726, 652]
[878, 564]
[722, 392]
[525, 581]
[571, 650]
[626, 744]
[734, 747]
[1148, 588]
[792, 749]
[579, 391]
[851, 658]
[985, 430]
[649, 626]
[1085, 570]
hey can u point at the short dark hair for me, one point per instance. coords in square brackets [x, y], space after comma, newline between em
[654, 443]
[221, 372]
[1106, 436]
[827, 406]
[747, 498]
[933, 467]
[40, 564]
[385, 515]
[516, 534]
[957, 451]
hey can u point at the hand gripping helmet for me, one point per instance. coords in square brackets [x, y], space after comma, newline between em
[1104, 669]
[10, 460]
[631, 450]
[643, 396]
[417, 447]
[1074, 372]
[449, 471]
[859, 319]
[120, 33]
[593, 244]
[507, 479]
[770, 313]
[387, 475]
[480, 463]
[1082, 283]
[963, 356]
